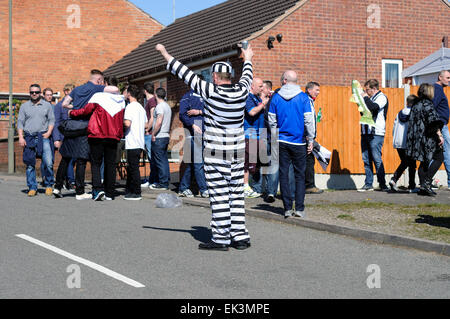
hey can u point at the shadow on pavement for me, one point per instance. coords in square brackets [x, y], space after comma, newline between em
[199, 233]
[270, 208]
[434, 221]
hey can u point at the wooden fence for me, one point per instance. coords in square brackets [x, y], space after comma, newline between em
[339, 129]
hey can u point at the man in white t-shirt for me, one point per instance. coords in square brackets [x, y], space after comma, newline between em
[135, 122]
[160, 141]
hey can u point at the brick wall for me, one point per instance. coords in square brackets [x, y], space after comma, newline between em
[325, 41]
[47, 51]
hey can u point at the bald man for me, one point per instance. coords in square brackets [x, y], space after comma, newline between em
[290, 112]
[254, 146]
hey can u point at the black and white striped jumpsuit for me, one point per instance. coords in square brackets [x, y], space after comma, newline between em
[224, 149]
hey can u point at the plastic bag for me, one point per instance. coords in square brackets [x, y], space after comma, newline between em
[168, 201]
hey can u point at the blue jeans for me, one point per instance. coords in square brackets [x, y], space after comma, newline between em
[47, 160]
[195, 155]
[294, 155]
[255, 181]
[271, 178]
[148, 152]
[371, 146]
[160, 162]
[446, 134]
[271, 181]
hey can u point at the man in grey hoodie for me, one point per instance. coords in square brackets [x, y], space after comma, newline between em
[290, 112]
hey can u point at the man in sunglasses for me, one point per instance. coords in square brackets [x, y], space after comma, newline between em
[35, 125]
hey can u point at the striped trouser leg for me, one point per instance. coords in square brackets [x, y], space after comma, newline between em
[237, 203]
[218, 176]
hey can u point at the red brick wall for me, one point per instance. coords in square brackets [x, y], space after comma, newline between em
[324, 41]
[48, 52]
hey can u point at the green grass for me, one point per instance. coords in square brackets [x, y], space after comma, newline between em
[427, 221]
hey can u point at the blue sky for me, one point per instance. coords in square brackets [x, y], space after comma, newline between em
[162, 10]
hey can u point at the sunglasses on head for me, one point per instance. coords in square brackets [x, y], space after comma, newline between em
[35, 92]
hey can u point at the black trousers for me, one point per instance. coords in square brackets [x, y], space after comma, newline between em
[427, 170]
[309, 173]
[133, 174]
[407, 162]
[103, 150]
[61, 174]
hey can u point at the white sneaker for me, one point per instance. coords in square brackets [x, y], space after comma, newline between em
[252, 194]
[300, 214]
[186, 193]
[145, 185]
[83, 196]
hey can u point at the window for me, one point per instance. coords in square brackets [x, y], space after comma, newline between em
[205, 73]
[392, 72]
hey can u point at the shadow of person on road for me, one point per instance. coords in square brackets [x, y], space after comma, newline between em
[434, 221]
[199, 233]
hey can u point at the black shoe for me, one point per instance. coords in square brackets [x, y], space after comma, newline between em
[213, 246]
[131, 196]
[270, 198]
[241, 244]
[424, 191]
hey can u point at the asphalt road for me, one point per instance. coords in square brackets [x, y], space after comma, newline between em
[157, 248]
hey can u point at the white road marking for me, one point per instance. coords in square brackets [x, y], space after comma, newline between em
[83, 261]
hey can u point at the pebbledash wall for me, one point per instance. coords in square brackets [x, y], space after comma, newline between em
[59, 41]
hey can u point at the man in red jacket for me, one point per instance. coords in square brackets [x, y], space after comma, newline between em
[105, 130]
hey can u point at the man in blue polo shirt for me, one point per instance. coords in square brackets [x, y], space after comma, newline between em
[440, 102]
[254, 148]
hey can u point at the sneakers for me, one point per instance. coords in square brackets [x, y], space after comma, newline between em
[250, 193]
[32, 193]
[145, 184]
[213, 246]
[313, 190]
[426, 191]
[48, 191]
[132, 197]
[108, 198]
[158, 187]
[413, 190]
[393, 186]
[98, 195]
[384, 188]
[270, 198]
[205, 194]
[83, 196]
[69, 187]
[366, 188]
[300, 214]
[57, 193]
[288, 214]
[186, 193]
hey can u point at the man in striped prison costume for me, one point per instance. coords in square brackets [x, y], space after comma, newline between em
[224, 146]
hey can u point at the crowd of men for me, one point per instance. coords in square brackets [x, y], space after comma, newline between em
[242, 140]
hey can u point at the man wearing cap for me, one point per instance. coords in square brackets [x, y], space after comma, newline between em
[224, 146]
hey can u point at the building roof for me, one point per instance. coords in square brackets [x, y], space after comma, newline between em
[434, 63]
[204, 34]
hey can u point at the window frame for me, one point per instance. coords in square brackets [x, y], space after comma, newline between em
[399, 63]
